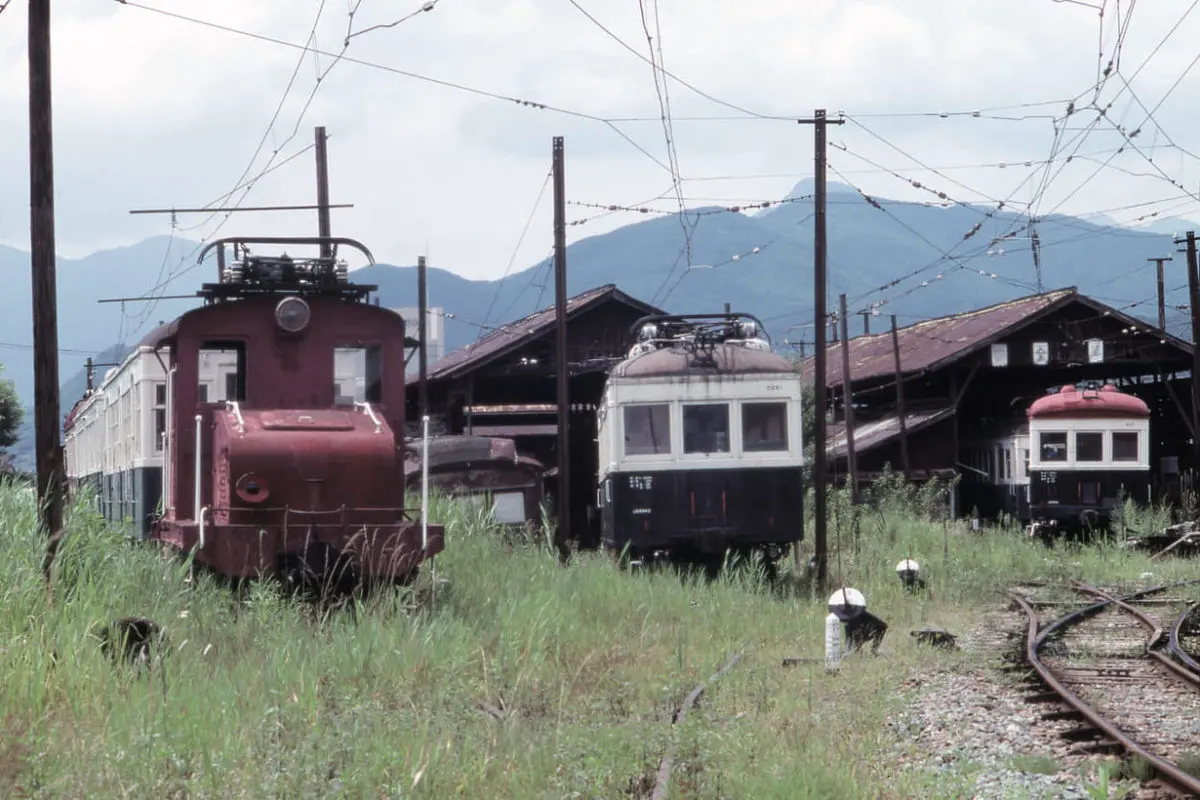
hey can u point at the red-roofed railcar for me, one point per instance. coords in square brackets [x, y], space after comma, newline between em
[1089, 449]
[286, 396]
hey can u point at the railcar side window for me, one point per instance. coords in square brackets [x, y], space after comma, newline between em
[1053, 446]
[160, 415]
[706, 428]
[1089, 446]
[764, 427]
[222, 367]
[647, 430]
[357, 375]
[1125, 446]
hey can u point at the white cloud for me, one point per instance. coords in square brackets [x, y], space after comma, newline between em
[154, 111]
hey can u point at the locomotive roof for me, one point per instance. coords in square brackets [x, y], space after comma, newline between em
[1108, 401]
[727, 358]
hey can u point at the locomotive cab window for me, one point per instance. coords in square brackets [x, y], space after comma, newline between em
[647, 430]
[222, 368]
[1125, 446]
[1089, 446]
[1053, 446]
[706, 428]
[357, 374]
[764, 427]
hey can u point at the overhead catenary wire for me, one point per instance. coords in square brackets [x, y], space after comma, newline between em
[521, 240]
[405, 74]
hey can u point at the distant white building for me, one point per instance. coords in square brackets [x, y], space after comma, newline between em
[435, 329]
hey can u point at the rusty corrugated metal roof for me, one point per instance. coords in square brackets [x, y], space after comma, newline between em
[929, 342]
[509, 337]
[870, 435]
[934, 342]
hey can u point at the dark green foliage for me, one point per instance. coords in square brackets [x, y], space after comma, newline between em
[11, 414]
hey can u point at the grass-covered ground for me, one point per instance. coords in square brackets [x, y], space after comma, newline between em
[262, 698]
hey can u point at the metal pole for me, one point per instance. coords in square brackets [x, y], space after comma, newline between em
[563, 530]
[866, 315]
[424, 483]
[323, 226]
[425, 509]
[848, 401]
[820, 545]
[1162, 300]
[45, 293]
[1194, 306]
[422, 335]
[900, 400]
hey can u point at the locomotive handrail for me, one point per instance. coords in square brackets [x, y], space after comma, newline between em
[232, 405]
[196, 478]
[318, 240]
[203, 516]
[371, 413]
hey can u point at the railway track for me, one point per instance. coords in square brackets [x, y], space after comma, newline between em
[1124, 691]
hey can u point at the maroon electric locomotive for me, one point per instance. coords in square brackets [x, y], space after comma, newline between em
[282, 442]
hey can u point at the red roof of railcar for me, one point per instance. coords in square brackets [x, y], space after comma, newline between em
[1108, 401]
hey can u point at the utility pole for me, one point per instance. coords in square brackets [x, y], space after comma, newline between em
[323, 226]
[1162, 300]
[848, 402]
[45, 292]
[900, 400]
[1194, 307]
[563, 529]
[820, 544]
[422, 328]
[866, 315]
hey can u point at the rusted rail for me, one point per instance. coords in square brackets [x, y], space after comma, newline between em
[1175, 647]
[1033, 643]
[1189, 673]
[662, 785]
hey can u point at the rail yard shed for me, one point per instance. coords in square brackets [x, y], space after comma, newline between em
[504, 385]
[967, 380]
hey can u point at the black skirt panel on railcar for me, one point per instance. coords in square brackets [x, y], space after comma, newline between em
[1065, 494]
[709, 510]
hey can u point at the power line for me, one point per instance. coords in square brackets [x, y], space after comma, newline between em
[512, 259]
[405, 74]
[660, 68]
[427, 6]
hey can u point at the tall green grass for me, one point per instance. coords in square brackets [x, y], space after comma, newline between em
[527, 680]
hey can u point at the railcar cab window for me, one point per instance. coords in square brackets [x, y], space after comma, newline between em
[647, 430]
[764, 427]
[1053, 446]
[222, 372]
[706, 428]
[357, 374]
[1089, 446]
[1125, 446]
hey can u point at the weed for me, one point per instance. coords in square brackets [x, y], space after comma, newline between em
[1036, 764]
[580, 665]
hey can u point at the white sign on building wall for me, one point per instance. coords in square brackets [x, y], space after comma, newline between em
[435, 329]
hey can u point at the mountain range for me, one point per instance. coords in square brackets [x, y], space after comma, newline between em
[923, 259]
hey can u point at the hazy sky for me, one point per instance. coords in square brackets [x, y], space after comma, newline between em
[154, 111]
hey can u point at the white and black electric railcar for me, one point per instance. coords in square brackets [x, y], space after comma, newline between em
[1080, 452]
[700, 444]
[1091, 449]
[995, 474]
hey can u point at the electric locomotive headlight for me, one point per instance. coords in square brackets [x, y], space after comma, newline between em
[648, 332]
[292, 314]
